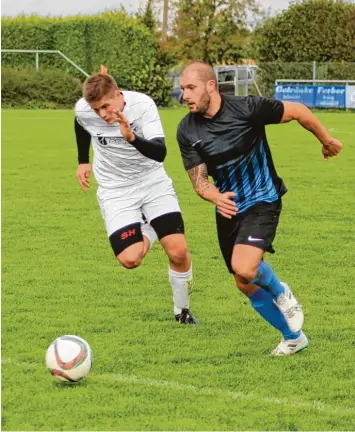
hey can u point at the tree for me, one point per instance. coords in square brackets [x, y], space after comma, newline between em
[312, 30]
[214, 31]
[147, 17]
[320, 30]
[152, 79]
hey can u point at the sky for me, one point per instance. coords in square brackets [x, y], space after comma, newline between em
[87, 7]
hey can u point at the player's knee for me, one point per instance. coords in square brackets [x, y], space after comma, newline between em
[130, 261]
[245, 274]
[245, 288]
[178, 254]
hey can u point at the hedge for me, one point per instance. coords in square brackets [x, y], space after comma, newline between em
[125, 45]
[24, 88]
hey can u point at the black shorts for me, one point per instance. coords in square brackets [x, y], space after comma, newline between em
[255, 227]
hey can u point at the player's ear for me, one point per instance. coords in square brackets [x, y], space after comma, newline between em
[211, 85]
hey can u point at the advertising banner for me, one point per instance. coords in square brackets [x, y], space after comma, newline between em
[295, 93]
[317, 96]
[350, 96]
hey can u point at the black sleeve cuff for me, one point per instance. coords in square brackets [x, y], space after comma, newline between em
[83, 139]
[153, 149]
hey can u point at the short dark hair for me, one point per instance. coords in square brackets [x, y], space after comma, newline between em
[97, 86]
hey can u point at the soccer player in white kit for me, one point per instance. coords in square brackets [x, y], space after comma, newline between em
[136, 197]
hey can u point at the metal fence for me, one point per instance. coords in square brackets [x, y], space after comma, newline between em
[237, 79]
[260, 79]
[38, 52]
[268, 73]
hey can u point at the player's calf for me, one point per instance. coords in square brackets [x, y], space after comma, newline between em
[170, 230]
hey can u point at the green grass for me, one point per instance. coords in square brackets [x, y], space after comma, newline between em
[59, 276]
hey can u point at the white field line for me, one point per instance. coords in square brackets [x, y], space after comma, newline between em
[340, 132]
[207, 391]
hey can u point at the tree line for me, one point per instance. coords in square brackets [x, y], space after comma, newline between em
[140, 54]
[228, 31]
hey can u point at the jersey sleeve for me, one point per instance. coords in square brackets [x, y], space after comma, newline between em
[190, 156]
[83, 140]
[150, 122]
[263, 111]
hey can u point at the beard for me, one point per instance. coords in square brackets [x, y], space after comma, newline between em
[204, 103]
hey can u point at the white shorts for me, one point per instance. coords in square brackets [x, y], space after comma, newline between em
[152, 197]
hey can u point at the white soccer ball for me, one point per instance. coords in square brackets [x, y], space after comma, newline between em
[69, 358]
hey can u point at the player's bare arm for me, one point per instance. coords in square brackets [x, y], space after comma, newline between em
[297, 111]
[224, 201]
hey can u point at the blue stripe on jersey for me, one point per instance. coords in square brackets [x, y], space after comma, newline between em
[249, 177]
[245, 178]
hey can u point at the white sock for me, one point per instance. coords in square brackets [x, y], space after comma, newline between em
[149, 232]
[181, 284]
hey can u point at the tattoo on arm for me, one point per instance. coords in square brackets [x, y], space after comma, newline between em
[199, 179]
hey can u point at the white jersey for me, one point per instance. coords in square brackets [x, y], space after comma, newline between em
[117, 162]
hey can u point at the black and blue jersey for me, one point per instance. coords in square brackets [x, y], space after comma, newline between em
[234, 147]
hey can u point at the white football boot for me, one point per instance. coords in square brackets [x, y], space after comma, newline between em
[291, 346]
[290, 308]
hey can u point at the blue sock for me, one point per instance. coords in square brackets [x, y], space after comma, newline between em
[267, 279]
[264, 304]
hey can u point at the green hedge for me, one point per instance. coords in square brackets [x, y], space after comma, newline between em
[312, 30]
[112, 38]
[26, 33]
[319, 30]
[24, 88]
[125, 45]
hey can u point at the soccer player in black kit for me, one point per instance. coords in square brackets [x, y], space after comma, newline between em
[224, 137]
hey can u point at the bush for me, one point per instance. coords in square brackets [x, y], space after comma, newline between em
[319, 30]
[312, 30]
[121, 42]
[26, 88]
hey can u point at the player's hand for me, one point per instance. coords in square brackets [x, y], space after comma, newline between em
[83, 174]
[103, 70]
[125, 127]
[331, 148]
[226, 206]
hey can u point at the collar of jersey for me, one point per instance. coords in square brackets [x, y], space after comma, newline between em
[218, 113]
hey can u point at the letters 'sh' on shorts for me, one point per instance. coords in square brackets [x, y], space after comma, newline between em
[125, 208]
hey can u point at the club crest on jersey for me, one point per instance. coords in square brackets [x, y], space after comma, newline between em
[102, 140]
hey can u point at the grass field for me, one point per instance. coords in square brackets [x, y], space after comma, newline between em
[59, 276]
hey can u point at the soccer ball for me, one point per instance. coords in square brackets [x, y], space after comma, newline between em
[69, 358]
